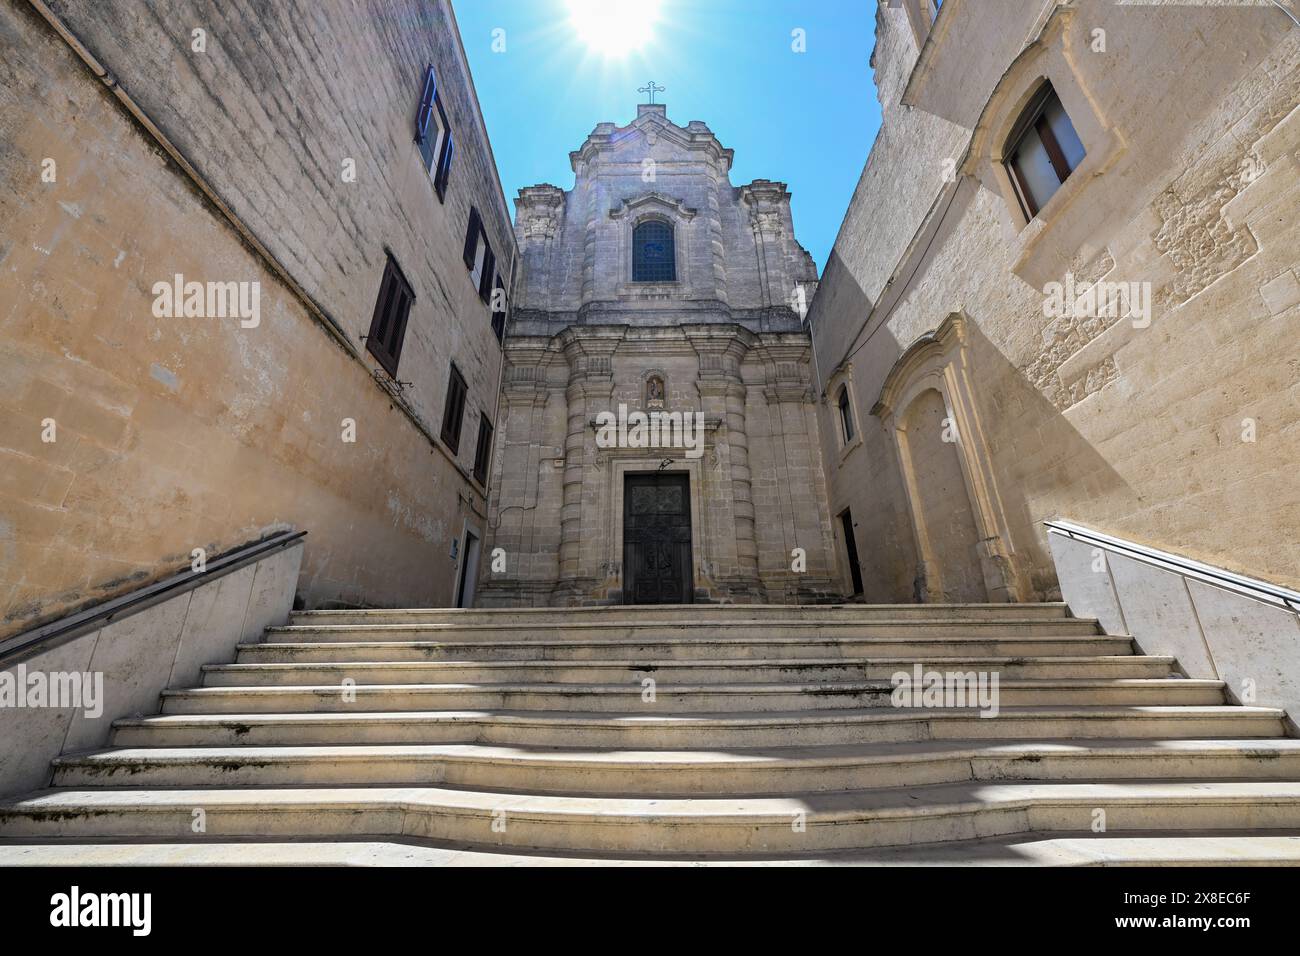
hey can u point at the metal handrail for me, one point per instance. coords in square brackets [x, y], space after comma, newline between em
[54, 633]
[1251, 587]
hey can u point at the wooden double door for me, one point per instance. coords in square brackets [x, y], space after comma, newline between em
[657, 564]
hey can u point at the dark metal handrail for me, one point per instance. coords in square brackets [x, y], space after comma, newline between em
[54, 633]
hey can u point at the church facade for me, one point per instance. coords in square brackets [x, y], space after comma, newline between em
[656, 292]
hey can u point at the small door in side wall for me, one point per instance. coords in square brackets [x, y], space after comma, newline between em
[657, 562]
[851, 551]
[468, 577]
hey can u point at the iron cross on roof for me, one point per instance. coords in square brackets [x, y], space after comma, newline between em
[651, 89]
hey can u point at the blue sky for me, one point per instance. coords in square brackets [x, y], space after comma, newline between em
[807, 119]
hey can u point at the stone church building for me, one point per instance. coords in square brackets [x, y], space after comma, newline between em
[331, 572]
[656, 285]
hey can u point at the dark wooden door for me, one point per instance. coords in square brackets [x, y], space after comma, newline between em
[851, 545]
[657, 539]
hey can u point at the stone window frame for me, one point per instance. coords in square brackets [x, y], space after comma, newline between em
[843, 378]
[940, 361]
[632, 213]
[1035, 119]
[1043, 245]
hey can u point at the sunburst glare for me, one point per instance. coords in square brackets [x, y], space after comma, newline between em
[613, 28]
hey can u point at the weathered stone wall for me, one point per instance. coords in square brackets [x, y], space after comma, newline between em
[1182, 435]
[177, 433]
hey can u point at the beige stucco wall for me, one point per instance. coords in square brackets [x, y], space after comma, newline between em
[1190, 117]
[179, 433]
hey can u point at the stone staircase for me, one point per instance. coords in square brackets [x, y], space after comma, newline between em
[671, 734]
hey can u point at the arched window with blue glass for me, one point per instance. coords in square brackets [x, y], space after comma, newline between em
[654, 258]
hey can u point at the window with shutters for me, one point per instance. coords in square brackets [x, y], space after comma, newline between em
[846, 415]
[483, 453]
[388, 325]
[654, 258]
[478, 255]
[453, 413]
[433, 134]
[1042, 151]
[499, 305]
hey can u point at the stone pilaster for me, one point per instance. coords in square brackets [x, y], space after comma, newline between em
[539, 215]
[795, 502]
[769, 210]
[722, 393]
[589, 391]
[522, 477]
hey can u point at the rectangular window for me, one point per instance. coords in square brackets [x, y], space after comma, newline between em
[499, 306]
[433, 134]
[483, 453]
[478, 255]
[1043, 151]
[846, 415]
[388, 325]
[453, 413]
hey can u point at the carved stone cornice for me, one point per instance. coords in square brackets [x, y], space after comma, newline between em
[652, 121]
[653, 201]
[767, 201]
[538, 211]
[931, 346]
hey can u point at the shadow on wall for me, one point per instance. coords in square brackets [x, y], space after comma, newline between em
[1042, 464]
[864, 478]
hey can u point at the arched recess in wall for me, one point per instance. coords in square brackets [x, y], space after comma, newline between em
[964, 549]
[654, 389]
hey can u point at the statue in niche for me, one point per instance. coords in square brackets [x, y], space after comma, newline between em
[654, 392]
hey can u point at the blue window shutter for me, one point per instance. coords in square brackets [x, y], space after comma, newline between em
[426, 104]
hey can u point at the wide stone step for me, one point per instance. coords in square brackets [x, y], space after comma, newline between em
[769, 771]
[654, 629]
[690, 672]
[675, 698]
[282, 644]
[685, 731]
[752, 826]
[691, 613]
[1129, 848]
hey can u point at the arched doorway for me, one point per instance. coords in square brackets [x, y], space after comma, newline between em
[964, 550]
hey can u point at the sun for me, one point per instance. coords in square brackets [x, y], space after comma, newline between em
[613, 28]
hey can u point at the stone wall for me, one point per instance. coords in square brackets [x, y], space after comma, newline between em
[179, 433]
[1181, 434]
